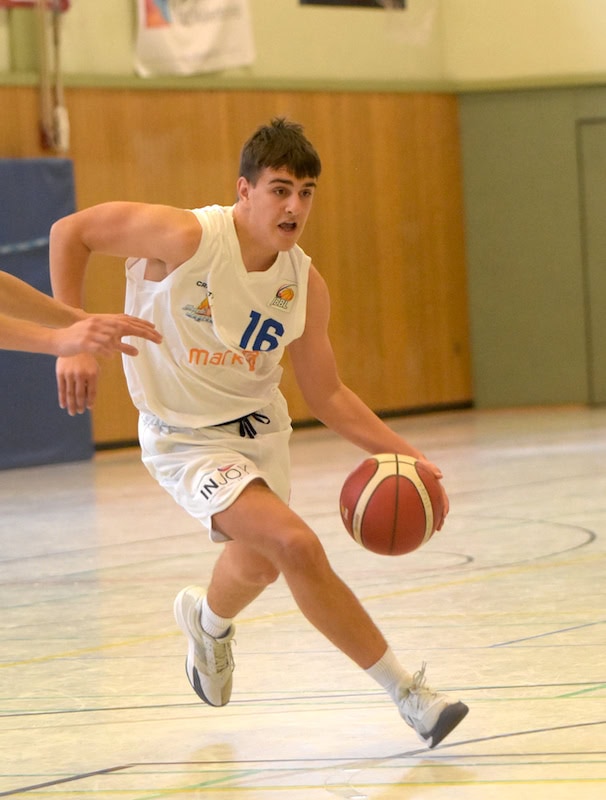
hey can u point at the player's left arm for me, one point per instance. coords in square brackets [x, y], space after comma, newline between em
[328, 398]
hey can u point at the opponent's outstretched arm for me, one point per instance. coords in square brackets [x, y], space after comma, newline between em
[32, 321]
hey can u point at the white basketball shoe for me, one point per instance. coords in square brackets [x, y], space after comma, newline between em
[432, 715]
[209, 663]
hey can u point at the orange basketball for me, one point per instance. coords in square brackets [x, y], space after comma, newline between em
[391, 504]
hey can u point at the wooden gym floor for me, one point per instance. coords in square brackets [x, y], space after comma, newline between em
[507, 605]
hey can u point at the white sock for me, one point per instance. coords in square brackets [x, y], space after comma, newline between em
[391, 675]
[212, 623]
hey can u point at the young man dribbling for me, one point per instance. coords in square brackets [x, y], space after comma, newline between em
[230, 289]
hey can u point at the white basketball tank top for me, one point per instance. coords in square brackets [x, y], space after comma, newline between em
[224, 329]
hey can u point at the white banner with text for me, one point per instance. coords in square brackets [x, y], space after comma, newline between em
[188, 37]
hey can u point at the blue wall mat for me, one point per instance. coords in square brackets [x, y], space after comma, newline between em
[33, 194]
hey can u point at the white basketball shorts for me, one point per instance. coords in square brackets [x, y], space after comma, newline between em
[206, 469]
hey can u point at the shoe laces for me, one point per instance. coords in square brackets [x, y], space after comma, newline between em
[418, 693]
[419, 680]
[219, 653]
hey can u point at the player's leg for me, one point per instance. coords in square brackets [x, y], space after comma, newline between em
[239, 576]
[266, 538]
[206, 619]
[260, 522]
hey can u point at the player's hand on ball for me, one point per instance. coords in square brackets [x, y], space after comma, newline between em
[437, 472]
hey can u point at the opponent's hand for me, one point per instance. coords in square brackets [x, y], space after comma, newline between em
[437, 472]
[101, 334]
[77, 382]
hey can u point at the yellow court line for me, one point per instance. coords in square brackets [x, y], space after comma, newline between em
[86, 650]
[495, 572]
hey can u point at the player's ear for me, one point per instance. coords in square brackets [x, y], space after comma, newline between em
[243, 187]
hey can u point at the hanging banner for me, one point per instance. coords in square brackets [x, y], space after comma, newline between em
[188, 37]
[356, 3]
[52, 5]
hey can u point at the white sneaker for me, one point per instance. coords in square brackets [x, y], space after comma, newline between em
[432, 715]
[209, 663]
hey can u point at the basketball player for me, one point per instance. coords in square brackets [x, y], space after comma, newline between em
[31, 320]
[230, 289]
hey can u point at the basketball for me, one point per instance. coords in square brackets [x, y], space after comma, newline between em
[391, 504]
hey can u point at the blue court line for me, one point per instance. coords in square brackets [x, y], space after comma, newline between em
[550, 633]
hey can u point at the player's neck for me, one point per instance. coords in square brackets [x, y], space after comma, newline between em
[257, 261]
[256, 256]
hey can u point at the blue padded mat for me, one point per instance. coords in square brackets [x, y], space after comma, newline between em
[34, 193]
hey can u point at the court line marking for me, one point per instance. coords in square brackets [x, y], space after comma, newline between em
[349, 763]
[492, 573]
[549, 633]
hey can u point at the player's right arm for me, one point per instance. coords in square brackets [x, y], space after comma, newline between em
[142, 230]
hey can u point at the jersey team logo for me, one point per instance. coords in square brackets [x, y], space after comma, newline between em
[202, 312]
[284, 297]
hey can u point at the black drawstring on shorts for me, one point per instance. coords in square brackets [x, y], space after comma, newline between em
[247, 429]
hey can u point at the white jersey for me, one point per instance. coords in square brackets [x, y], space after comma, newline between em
[224, 329]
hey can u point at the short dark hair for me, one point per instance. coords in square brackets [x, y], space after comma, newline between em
[279, 144]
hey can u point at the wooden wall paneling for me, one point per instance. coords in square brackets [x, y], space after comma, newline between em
[389, 215]
[443, 203]
[19, 123]
[386, 231]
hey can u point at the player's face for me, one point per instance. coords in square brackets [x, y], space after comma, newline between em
[277, 206]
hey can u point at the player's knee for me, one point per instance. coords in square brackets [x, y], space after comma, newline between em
[257, 572]
[262, 576]
[301, 550]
